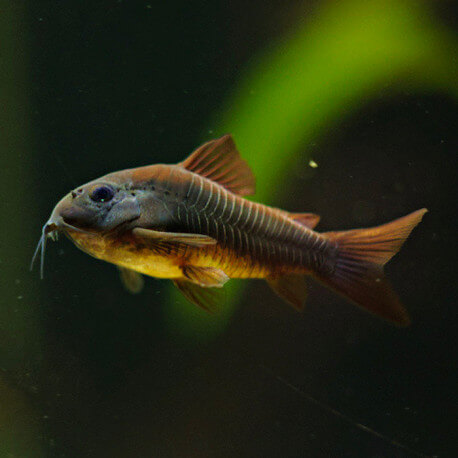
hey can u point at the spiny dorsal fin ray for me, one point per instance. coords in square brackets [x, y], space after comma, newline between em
[291, 288]
[219, 161]
[196, 240]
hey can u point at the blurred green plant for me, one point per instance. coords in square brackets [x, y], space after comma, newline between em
[326, 68]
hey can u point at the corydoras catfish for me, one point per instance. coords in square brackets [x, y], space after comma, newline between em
[190, 223]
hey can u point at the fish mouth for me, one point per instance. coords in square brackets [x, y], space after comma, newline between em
[54, 226]
[51, 230]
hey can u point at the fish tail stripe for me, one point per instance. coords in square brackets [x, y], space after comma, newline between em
[246, 218]
[279, 232]
[240, 213]
[200, 187]
[216, 206]
[254, 219]
[190, 187]
[263, 216]
[231, 211]
[225, 205]
[272, 229]
[209, 198]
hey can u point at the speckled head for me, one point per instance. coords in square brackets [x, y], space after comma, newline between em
[98, 207]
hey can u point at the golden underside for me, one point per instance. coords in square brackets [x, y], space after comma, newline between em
[127, 252]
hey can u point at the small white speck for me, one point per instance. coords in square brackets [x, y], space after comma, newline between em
[313, 164]
[210, 131]
[20, 297]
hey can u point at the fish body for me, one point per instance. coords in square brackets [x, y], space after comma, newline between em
[190, 223]
[253, 240]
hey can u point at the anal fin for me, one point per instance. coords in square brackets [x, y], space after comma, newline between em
[209, 299]
[292, 288]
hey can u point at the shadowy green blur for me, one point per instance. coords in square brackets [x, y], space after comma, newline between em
[307, 81]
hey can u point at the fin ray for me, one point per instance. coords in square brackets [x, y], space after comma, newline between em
[358, 271]
[207, 277]
[292, 288]
[309, 220]
[219, 161]
[209, 299]
[196, 240]
[132, 281]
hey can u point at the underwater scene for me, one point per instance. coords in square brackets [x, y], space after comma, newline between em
[227, 229]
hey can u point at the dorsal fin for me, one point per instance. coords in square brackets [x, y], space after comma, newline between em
[219, 161]
[307, 219]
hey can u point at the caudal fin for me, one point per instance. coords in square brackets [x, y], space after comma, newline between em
[358, 272]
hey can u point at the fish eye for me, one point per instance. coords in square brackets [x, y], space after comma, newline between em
[102, 194]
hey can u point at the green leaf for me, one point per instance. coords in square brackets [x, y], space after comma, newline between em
[309, 80]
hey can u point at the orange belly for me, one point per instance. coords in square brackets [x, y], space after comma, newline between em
[123, 253]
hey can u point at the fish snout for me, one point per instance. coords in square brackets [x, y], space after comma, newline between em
[76, 216]
[68, 214]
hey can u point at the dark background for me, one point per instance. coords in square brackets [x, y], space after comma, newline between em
[116, 84]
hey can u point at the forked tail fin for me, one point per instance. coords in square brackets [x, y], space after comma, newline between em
[358, 271]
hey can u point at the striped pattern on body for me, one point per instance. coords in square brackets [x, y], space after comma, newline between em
[254, 240]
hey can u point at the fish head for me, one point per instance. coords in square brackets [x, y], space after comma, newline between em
[100, 206]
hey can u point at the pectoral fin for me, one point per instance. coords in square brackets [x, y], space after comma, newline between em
[132, 281]
[291, 288]
[196, 240]
[209, 299]
[207, 277]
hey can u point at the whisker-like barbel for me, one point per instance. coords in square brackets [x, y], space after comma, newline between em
[37, 249]
[41, 248]
[43, 252]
